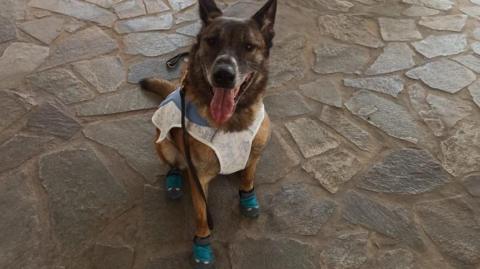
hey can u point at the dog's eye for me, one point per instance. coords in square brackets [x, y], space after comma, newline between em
[249, 47]
[211, 41]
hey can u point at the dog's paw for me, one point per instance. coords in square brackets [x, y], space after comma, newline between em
[249, 206]
[203, 253]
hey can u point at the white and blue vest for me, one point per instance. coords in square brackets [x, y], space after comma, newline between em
[231, 148]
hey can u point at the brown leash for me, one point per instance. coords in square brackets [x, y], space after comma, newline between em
[171, 64]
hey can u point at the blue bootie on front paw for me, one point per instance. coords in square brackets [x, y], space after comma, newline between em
[174, 184]
[249, 206]
[203, 253]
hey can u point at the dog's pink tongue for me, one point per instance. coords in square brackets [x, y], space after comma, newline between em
[222, 105]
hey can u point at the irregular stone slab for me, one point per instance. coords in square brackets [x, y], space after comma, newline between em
[333, 57]
[8, 31]
[154, 44]
[152, 68]
[157, 229]
[61, 83]
[276, 104]
[336, 5]
[18, 60]
[104, 3]
[351, 131]
[369, 2]
[13, 108]
[395, 57]
[131, 99]
[404, 171]
[461, 151]
[311, 138]
[77, 9]
[474, 90]
[323, 90]
[382, 9]
[452, 226]
[155, 6]
[19, 149]
[476, 33]
[476, 47]
[443, 75]
[131, 138]
[180, 260]
[398, 29]
[390, 117]
[417, 11]
[21, 224]
[45, 29]
[82, 195]
[178, 5]
[297, 211]
[395, 259]
[348, 250]
[130, 8]
[392, 85]
[469, 61]
[105, 73]
[389, 220]
[72, 25]
[106, 256]
[439, 113]
[473, 11]
[436, 4]
[333, 168]
[281, 253]
[190, 30]
[472, 184]
[444, 45]
[476, 2]
[82, 45]
[191, 14]
[49, 120]
[453, 23]
[351, 28]
[287, 61]
[142, 24]
[277, 160]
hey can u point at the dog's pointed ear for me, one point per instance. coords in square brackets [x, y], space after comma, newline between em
[208, 10]
[265, 18]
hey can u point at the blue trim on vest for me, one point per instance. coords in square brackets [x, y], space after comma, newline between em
[191, 113]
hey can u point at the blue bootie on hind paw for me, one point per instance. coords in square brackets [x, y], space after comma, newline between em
[249, 206]
[174, 184]
[203, 253]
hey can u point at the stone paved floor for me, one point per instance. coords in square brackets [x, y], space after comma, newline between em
[374, 161]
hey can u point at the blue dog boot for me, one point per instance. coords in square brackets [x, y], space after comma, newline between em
[203, 253]
[249, 206]
[174, 184]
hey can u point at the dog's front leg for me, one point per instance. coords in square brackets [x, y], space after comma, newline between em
[249, 206]
[202, 229]
[202, 250]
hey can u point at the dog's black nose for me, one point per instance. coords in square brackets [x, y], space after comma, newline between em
[224, 76]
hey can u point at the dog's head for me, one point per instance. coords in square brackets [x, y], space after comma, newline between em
[230, 58]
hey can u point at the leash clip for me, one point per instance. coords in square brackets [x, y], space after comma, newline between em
[173, 62]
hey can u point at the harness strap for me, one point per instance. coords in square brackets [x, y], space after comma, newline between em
[188, 158]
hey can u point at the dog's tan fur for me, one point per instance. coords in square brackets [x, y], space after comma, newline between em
[233, 35]
[203, 157]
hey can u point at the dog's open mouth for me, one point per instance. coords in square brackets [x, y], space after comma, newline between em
[224, 100]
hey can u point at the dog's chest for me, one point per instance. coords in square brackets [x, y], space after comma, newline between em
[232, 149]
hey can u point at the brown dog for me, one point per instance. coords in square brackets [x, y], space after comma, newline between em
[224, 84]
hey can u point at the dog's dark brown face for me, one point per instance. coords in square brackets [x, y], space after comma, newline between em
[230, 59]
